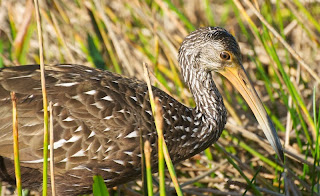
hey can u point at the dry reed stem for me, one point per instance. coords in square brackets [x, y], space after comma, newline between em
[147, 78]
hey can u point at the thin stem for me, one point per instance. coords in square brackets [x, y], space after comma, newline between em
[53, 187]
[45, 103]
[16, 143]
[162, 185]
[147, 151]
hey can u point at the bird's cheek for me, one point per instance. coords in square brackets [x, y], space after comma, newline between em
[214, 66]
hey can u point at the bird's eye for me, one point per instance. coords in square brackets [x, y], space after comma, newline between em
[225, 55]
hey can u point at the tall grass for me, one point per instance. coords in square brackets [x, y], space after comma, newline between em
[280, 45]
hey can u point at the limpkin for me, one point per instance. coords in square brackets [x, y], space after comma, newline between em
[98, 115]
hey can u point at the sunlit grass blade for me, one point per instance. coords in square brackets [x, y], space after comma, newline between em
[99, 187]
[316, 174]
[147, 152]
[181, 16]
[163, 151]
[257, 154]
[22, 57]
[16, 143]
[23, 35]
[291, 88]
[308, 15]
[158, 122]
[45, 104]
[272, 52]
[171, 168]
[94, 54]
[285, 44]
[62, 13]
[104, 36]
[13, 28]
[85, 49]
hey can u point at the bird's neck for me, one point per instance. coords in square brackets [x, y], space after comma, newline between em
[209, 109]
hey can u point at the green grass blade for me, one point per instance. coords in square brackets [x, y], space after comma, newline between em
[181, 16]
[308, 15]
[316, 174]
[99, 187]
[163, 153]
[171, 169]
[22, 55]
[147, 152]
[100, 30]
[209, 13]
[252, 180]
[158, 122]
[95, 54]
[257, 154]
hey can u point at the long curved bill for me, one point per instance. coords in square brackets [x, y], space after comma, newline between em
[238, 77]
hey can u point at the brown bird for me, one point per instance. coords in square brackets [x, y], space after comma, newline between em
[98, 115]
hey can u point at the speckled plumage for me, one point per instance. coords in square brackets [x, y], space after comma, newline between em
[99, 115]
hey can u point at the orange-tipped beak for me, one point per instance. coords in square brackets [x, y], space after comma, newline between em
[238, 77]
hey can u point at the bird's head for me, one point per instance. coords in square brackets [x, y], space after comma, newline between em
[210, 49]
[215, 49]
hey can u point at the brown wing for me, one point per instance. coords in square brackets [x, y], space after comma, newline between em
[91, 109]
